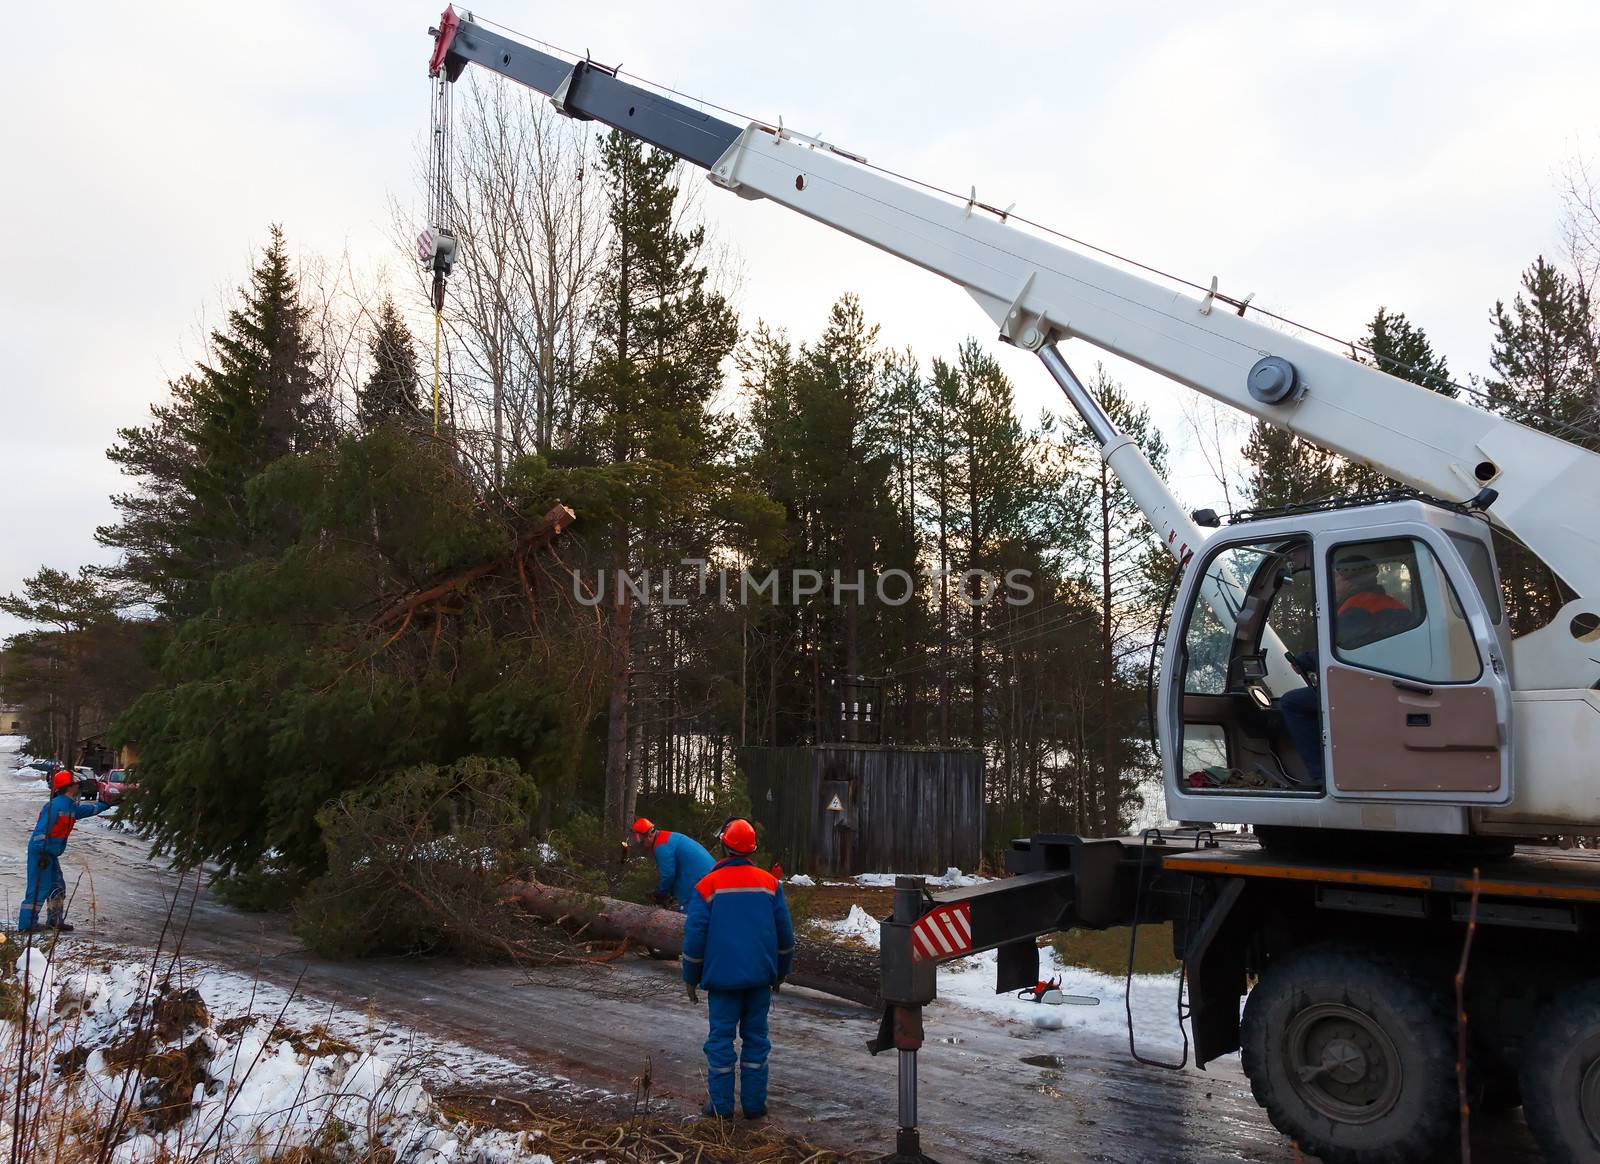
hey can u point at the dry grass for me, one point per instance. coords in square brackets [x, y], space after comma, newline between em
[1106, 951]
[566, 1136]
[154, 1063]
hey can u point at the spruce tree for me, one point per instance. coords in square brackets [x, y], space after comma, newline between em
[293, 689]
[830, 429]
[1286, 469]
[257, 400]
[391, 391]
[1545, 355]
[1402, 349]
[661, 336]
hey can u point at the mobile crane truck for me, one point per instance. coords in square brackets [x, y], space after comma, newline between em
[1432, 746]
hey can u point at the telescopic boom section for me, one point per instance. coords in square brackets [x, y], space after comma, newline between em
[1546, 491]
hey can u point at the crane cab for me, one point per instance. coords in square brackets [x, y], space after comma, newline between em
[1343, 667]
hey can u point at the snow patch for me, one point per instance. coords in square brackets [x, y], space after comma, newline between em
[261, 1084]
[859, 926]
[802, 881]
[969, 983]
[952, 878]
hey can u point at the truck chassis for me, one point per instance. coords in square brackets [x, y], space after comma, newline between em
[1387, 993]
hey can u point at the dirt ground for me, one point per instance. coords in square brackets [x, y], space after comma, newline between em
[829, 902]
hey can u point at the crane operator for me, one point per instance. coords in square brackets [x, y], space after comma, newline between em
[1360, 604]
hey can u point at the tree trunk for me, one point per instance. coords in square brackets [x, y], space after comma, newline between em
[1110, 800]
[617, 711]
[944, 612]
[842, 971]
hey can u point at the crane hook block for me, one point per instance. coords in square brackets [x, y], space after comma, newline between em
[436, 247]
[1273, 380]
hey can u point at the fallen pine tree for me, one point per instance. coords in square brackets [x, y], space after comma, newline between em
[828, 967]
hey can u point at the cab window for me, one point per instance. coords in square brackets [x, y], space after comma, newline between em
[1480, 565]
[1395, 611]
[1246, 591]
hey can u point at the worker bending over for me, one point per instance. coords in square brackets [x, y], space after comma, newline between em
[45, 882]
[681, 860]
[738, 942]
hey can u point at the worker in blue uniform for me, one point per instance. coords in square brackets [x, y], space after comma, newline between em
[46, 885]
[738, 943]
[680, 859]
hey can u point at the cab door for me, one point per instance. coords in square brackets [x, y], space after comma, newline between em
[1415, 697]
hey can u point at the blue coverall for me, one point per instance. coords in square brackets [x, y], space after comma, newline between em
[738, 943]
[682, 861]
[49, 840]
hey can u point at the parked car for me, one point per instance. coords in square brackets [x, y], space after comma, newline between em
[111, 788]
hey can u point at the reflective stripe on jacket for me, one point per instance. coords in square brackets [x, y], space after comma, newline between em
[737, 935]
[682, 861]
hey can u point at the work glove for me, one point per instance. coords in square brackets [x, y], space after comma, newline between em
[660, 898]
[777, 986]
[44, 863]
[694, 994]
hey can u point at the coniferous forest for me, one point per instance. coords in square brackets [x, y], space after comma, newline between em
[329, 595]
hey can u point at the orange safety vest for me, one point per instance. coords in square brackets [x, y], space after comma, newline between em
[1371, 602]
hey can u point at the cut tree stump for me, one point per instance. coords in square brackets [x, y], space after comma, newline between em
[829, 967]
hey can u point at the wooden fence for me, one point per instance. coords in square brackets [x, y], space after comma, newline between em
[840, 809]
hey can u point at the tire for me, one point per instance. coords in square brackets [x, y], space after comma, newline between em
[1384, 1042]
[1561, 1077]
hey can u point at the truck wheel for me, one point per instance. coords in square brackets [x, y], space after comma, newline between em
[1352, 1057]
[1561, 1077]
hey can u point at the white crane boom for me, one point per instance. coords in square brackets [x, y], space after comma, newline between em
[1037, 292]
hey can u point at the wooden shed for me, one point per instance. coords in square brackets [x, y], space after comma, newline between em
[839, 809]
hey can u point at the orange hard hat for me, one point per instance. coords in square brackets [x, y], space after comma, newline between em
[738, 835]
[62, 780]
[642, 826]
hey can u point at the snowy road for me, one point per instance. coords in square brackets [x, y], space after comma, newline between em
[992, 1089]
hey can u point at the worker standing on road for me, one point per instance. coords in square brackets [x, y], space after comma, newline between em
[46, 885]
[681, 860]
[738, 942]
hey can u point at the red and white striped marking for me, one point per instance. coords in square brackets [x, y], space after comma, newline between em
[946, 932]
[425, 242]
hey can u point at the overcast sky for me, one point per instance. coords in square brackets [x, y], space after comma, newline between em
[1404, 154]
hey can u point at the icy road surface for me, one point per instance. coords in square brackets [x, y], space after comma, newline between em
[992, 1087]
